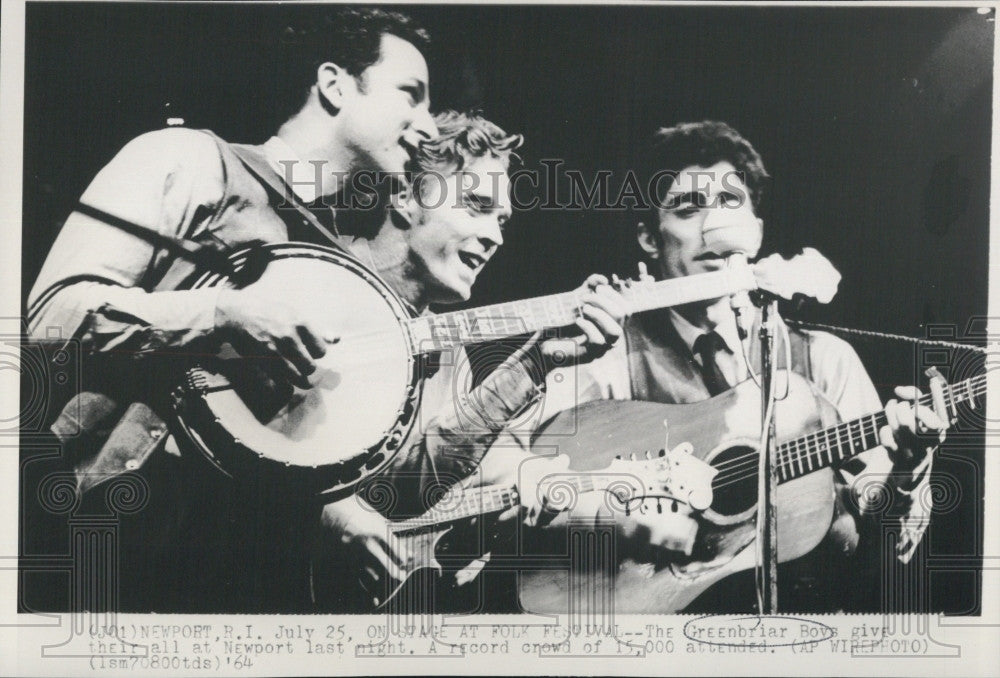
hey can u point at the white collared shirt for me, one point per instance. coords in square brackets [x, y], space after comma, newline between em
[730, 362]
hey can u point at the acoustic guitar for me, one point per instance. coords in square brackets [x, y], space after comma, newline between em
[724, 432]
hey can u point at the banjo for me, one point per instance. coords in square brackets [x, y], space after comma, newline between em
[366, 390]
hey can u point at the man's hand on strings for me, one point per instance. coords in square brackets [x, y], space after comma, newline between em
[598, 328]
[352, 531]
[912, 432]
[652, 536]
[258, 326]
[541, 497]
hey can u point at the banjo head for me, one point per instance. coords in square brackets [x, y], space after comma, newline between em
[364, 393]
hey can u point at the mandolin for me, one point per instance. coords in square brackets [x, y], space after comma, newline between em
[419, 544]
[724, 432]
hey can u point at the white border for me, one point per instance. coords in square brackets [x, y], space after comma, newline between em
[19, 645]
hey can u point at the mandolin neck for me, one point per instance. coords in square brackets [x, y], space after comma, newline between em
[483, 500]
[823, 448]
[456, 328]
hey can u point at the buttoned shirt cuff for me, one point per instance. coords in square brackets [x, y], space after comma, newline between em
[915, 504]
[131, 320]
[457, 441]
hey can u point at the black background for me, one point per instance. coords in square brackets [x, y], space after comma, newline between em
[874, 122]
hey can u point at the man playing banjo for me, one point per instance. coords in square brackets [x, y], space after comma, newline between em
[430, 245]
[204, 544]
[364, 106]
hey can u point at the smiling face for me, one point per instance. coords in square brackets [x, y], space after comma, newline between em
[384, 113]
[458, 227]
[700, 198]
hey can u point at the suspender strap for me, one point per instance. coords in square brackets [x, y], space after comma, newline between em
[278, 191]
[799, 343]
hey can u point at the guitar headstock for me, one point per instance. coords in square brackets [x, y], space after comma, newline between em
[809, 273]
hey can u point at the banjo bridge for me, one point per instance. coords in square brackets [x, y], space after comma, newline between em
[198, 380]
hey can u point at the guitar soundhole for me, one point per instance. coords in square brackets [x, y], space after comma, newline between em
[734, 488]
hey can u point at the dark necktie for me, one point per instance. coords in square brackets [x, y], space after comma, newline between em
[706, 346]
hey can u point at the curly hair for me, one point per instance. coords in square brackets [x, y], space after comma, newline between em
[703, 144]
[463, 137]
[350, 37]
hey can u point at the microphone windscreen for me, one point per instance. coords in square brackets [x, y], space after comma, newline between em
[732, 230]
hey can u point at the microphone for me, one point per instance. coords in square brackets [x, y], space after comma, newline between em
[736, 234]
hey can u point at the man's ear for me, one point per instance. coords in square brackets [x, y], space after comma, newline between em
[405, 207]
[647, 240]
[331, 83]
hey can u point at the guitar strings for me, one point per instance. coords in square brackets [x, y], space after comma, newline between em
[734, 469]
[976, 386]
[794, 451]
[471, 504]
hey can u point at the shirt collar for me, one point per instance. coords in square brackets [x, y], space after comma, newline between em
[689, 333]
[303, 174]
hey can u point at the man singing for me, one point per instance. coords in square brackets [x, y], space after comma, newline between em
[708, 175]
[203, 543]
[431, 244]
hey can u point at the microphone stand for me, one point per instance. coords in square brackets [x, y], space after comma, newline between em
[767, 519]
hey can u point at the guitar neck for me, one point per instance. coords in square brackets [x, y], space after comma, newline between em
[837, 443]
[482, 500]
[457, 328]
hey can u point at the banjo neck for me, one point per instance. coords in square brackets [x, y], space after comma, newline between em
[458, 328]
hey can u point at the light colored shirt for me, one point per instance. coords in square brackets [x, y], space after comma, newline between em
[300, 175]
[171, 182]
[836, 371]
[118, 293]
[730, 361]
[110, 288]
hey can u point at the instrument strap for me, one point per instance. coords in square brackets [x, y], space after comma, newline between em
[275, 185]
[881, 336]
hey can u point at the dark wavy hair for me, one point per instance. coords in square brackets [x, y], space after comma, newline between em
[349, 37]
[703, 144]
[463, 137]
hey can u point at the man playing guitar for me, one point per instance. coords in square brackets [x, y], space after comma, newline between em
[707, 175]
